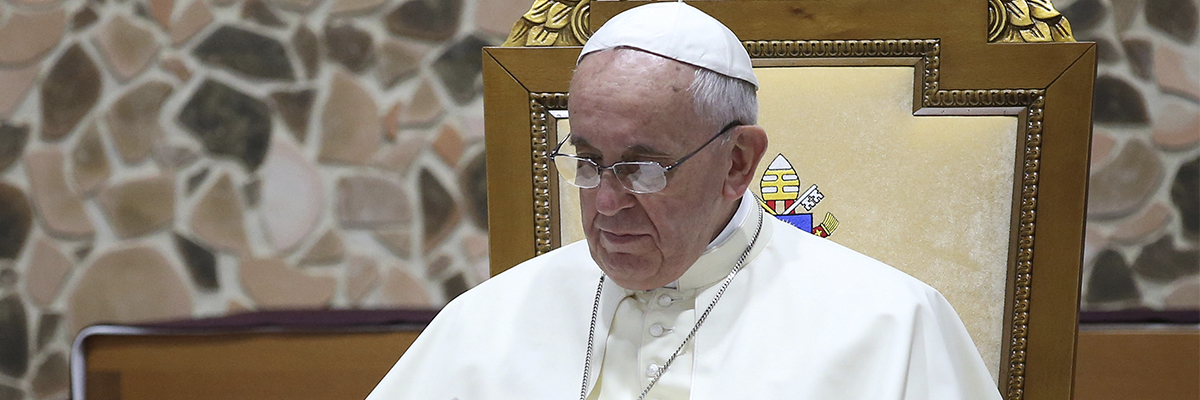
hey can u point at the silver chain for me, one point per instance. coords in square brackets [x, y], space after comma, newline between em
[699, 321]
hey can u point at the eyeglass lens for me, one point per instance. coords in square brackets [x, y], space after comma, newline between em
[638, 177]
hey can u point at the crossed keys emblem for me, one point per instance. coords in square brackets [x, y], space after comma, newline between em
[781, 197]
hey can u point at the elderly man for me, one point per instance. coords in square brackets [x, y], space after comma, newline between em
[684, 289]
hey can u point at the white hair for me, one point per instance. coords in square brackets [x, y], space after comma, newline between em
[721, 99]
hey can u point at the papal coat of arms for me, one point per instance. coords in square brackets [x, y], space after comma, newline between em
[781, 197]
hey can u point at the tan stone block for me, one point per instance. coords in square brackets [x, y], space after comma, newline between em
[48, 269]
[329, 249]
[272, 283]
[128, 47]
[368, 202]
[1143, 227]
[26, 37]
[16, 84]
[133, 120]
[234, 307]
[297, 5]
[176, 67]
[191, 21]
[89, 162]
[399, 242]
[1184, 294]
[398, 156]
[217, 219]
[362, 276]
[424, 109]
[351, 123]
[497, 17]
[139, 207]
[1102, 146]
[1176, 125]
[354, 6]
[1177, 72]
[449, 144]
[60, 209]
[398, 60]
[128, 285]
[401, 289]
[161, 11]
[476, 245]
[1125, 184]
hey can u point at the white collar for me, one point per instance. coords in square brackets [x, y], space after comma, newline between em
[748, 200]
[718, 258]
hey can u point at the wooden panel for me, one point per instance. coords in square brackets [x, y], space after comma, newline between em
[265, 366]
[1138, 364]
[1058, 248]
[508, 165]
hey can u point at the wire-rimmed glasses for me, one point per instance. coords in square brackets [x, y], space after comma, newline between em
[635, 176]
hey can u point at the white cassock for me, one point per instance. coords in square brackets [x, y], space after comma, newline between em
[805, 318]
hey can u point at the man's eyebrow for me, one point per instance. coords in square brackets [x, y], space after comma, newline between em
[641, 149]
[577, 141]
[636, 150]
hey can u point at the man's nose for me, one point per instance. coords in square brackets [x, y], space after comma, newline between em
[611, 196]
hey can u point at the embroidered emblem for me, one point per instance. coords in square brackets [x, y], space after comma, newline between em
[781, 197]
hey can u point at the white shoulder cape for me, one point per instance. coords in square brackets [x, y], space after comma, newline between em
[805, 319]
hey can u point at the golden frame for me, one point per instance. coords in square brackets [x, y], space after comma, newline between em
[1048, 86]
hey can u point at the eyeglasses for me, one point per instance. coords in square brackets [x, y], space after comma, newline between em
[635, 176]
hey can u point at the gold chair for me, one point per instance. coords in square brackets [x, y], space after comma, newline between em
[922, 135]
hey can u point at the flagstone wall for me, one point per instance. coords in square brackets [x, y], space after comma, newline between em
[1142, 247]
[168, 159]
[188, 158]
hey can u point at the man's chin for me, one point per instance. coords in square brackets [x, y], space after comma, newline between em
[630, 271]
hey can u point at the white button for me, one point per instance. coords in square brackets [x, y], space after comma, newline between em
[664, 300]
[656, 330]
[652, 370]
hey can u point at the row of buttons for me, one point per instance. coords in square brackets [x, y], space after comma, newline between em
[658, 330]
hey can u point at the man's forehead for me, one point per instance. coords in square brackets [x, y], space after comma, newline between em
[627, 66]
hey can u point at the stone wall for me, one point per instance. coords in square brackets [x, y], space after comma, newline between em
[1142, 247]
[165, 159]
[188, 158]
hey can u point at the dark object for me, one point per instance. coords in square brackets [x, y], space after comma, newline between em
[432, 20]
[201, 263]
[14, 337]
[1111, 280]
[1185, 193]
[350, 47]
[68, 93]
[245, 52]
[228, 122]
[460, 67]
[15, 220]
[1118, 102]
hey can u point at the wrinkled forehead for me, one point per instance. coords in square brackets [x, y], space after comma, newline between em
[624, 98]
[630, 71]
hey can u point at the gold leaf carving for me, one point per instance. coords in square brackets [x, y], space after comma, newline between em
[552, 23]
[1026, 21]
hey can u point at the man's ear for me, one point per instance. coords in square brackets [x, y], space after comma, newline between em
[749, 145]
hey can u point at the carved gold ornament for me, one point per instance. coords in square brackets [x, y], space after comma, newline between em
[1026, 21]
[552, 23]
[565, 23]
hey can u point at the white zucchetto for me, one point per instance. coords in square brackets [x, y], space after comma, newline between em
[677, 31]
